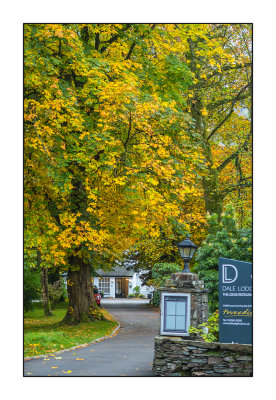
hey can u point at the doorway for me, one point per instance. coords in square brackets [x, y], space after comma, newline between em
[121, 288]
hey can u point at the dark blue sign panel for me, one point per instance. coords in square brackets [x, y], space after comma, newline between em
[235, 301]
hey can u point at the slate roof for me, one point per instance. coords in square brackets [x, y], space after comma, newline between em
[117, 271]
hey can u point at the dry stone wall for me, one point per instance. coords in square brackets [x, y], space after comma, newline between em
[175, 356]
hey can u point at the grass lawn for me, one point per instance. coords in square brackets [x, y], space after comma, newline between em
[43, 335]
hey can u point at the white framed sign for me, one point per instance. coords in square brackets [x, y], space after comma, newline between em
[175, 314]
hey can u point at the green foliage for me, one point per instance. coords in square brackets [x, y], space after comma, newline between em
[224, 240]
[136, 290]
[177, 79]
[163, 271]
[156, 298]
[32, 287]
[57, 292]
[209, 331]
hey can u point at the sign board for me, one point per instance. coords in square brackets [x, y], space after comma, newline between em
[175, 314]
[235, 301]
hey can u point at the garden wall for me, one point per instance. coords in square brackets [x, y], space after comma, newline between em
[175, 356]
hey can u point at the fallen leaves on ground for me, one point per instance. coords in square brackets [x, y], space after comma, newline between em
[51, 337]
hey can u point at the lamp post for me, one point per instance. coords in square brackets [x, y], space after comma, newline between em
[187, 250]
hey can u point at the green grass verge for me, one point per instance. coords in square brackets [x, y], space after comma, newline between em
[44, 335]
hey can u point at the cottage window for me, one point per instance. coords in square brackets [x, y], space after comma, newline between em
[104, 286]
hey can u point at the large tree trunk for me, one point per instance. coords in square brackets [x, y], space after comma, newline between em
[82, 304]
[45, 292]
[212, 197]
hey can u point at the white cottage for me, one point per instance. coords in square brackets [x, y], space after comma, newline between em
[119, 283]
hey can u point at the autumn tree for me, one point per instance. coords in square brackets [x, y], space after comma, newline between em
[103, 143]
[220, 59]
[126, 134]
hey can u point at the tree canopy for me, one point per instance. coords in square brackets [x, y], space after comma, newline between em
[132, 133]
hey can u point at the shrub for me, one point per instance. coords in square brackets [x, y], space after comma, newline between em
[163, 271]
[136, 290]
[156, 298]
[56, 292]
[224, 240]
[209, 331]
[141, 296]
[131, 295]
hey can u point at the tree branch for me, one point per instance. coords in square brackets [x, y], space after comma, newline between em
[242, 184]
[52, 207]
[134, 43]
[129, 129]
[228, 68]
[130, 51]
[114, 38]
[97, 41]
[236, 99]
[234, 155]
[212, 106]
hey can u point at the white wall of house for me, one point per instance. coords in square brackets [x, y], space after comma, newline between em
[130, 285]
[112, 287]
[145, 290]
[96, 282]
[132, 282]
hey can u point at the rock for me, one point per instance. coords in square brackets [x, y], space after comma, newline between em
[223, 370]
[199, 360]
[243, 358]
[171, 366]
[228, 359]
[214, 360]
[243, 348]
[199, 373]
[159, 362]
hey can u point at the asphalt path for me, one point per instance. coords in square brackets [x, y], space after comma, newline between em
[128, 353]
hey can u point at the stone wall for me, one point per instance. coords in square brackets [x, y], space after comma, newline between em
[175, 356]
[189, 283]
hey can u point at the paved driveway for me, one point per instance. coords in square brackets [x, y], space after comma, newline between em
[129, 353]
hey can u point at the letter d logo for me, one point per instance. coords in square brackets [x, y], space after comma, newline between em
[229, 273]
